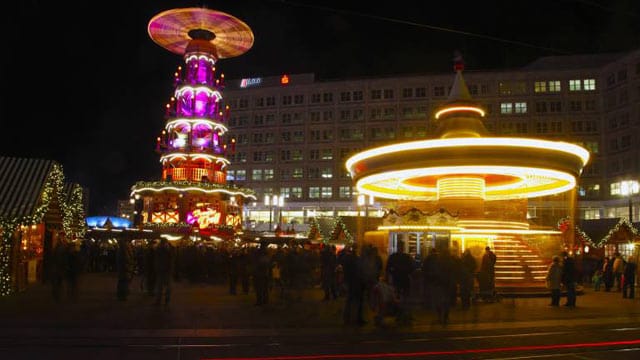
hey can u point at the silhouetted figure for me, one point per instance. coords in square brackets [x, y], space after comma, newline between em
[59, 266]
[125, 267]
[487, 276]
[443, 282]
[164, 270]
[629, 285]
[74, 267]
[328, 262]
[150, 268]
[554, 280]
[355, 287]
[400, 267]
[467, 273]
[569, 278]
[261, 272]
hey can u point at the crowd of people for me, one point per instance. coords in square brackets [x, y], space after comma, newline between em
[360, 276]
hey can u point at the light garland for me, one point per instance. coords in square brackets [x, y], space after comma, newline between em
[340, 228]
[72, 219]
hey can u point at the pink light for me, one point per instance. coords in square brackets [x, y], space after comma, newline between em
[437, 353]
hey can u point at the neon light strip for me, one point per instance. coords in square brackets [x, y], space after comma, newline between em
[377, 180]
[456, 187]
[512, 231]
[572, 149]
[192, 122]
[494, 223]
[418, 227]
[460, 108]
[194, 156]
[194, 90]
[193, 188]
[200, 57]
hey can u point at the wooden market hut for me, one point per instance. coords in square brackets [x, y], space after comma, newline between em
[37, 207]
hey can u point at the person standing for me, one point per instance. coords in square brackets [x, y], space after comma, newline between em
[355, 287]
[163, 267]
[125, 267]
[400, 266]
[467, 271]
[488, 273]
[59, 266]
[261, 271]
[554, 279]
[629, 286]
[569, 279]
[618, 269]
[328, 272]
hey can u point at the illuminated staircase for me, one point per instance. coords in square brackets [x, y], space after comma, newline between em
[517, 264]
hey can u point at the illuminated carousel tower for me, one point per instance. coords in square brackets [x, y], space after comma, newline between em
[193, 193]
[465, 189]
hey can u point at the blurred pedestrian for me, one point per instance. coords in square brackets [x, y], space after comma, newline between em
[125, 267]
[554, 280]
[629, 284]
[164, 269]
[569, 278]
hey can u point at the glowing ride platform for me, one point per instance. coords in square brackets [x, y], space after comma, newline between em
[468, 188]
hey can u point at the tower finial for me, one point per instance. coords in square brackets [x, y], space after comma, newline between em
[458, 62]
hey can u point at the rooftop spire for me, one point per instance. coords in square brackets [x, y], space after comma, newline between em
[459, 90]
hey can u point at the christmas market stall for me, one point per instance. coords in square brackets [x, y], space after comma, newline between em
[37, 209]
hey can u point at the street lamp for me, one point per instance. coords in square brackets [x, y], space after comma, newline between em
[362, 201]
[629, 188]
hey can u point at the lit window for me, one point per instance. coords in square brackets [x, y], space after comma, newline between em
[521, 107]
[314, 192]
[326, 192]
[540, 86]
[256, 175]
[574, 85]
[554, 86]
[345, 192]
[506, 108]
[589, 84]
[614, 188]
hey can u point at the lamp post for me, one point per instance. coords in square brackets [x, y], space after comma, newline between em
[629, 188]
[362, 201]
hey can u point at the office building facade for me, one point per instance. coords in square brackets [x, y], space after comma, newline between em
[294, 132]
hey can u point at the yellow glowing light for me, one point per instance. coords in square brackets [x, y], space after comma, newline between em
[510, 231]
[418, 227]
[494, 224]
[468, 144]
[194, 189]
[392, 184]
[460, 108]
[461, 187]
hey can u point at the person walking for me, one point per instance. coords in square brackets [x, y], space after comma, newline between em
[163, 266]
[569, 278]
[554, 280]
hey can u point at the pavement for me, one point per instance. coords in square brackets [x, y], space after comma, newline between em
[205, 310]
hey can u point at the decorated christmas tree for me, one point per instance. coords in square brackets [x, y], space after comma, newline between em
[340, 233]
[314, 230]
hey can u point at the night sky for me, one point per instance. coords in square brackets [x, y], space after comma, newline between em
[86, 86]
